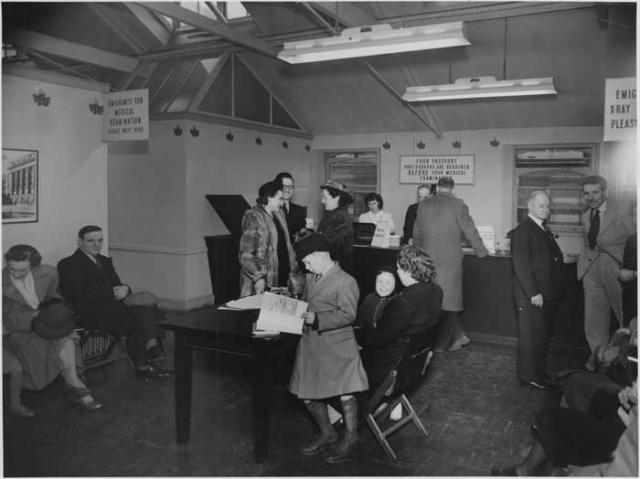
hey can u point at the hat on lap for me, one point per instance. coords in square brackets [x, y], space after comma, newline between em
[54, 321]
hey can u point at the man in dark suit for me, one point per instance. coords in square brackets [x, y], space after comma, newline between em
[90, 283]
[538, 265]
[424, 191]
[295, 214]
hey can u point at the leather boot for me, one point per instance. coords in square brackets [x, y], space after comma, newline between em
[328, 436]
[347, 445]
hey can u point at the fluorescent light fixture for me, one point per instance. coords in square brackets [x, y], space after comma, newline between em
[374, 40]
[480, 87]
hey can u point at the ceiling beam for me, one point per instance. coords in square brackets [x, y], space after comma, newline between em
[191, 18]
[105, 13]
[349, 14]
[56, 78]
[151, 23]
[63, 48]
[211, 77]
[319, 18]
[216, 11]
[60, 67]
[410, 76]
[388, 86]
[461, 11]
[184, 81]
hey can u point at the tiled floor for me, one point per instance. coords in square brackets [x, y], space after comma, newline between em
[476, 413]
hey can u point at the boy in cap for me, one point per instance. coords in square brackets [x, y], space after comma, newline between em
[327, 359]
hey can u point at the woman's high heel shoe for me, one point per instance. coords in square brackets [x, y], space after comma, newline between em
[77, 396]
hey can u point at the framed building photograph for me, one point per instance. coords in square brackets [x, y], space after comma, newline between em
[19, 186]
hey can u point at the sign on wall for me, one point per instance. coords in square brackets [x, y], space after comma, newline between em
[126, 116]
[620, 119]
[430, 168]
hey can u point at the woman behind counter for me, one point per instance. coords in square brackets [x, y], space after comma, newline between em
[26, 285]
[266, 255]
[374, 202]
[336, 224]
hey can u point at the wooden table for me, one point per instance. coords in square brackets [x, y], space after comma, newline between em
[227, 332]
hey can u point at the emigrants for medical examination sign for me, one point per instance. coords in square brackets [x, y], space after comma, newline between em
[430, 168]
[620, 120]
[126, 116]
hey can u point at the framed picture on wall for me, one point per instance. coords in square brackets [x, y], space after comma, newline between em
[19, 186]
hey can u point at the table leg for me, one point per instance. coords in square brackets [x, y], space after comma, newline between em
[262, 395]
[183, 367]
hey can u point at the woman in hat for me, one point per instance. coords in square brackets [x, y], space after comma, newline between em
[266, 255]
[336, 224]
[28, 285]
[328, 364]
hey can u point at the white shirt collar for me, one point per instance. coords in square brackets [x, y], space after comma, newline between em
[537, 221]
[603, 207]
[91, 257]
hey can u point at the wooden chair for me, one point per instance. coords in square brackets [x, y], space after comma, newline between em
[100, 349]
[405, 376]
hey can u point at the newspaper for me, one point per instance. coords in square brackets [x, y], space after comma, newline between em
[280, 313]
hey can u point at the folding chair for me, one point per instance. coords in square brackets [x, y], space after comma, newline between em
[406, 375]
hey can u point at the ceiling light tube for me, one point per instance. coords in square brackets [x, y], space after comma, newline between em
[374, 40]
[480, 87]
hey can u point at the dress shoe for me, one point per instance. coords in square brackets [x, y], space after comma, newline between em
[151, 371]
[154, 353]
[460, 343]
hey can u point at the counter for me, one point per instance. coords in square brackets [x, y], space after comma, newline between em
[488, 300]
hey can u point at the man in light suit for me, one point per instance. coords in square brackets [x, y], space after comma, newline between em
[441, 222]
[605, 231]
[537, 265]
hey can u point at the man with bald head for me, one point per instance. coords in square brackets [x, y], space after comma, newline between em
[537, 265]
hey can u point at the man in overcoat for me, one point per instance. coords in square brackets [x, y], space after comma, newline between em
[441, 223]
[606, 230]
[537, 266]
[327, 361]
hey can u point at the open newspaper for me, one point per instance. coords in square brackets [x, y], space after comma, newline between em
[281, 313]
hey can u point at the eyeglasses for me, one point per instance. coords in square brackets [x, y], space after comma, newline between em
[288, 187]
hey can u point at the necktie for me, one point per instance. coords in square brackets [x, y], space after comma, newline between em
[594, 229]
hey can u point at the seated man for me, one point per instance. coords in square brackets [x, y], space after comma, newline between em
[90, 283]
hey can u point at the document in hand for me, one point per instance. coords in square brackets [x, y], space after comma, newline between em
[280, 313]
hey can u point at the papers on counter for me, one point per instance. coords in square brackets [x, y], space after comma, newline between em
[248, 302]
[487, 234]
[280, 313]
